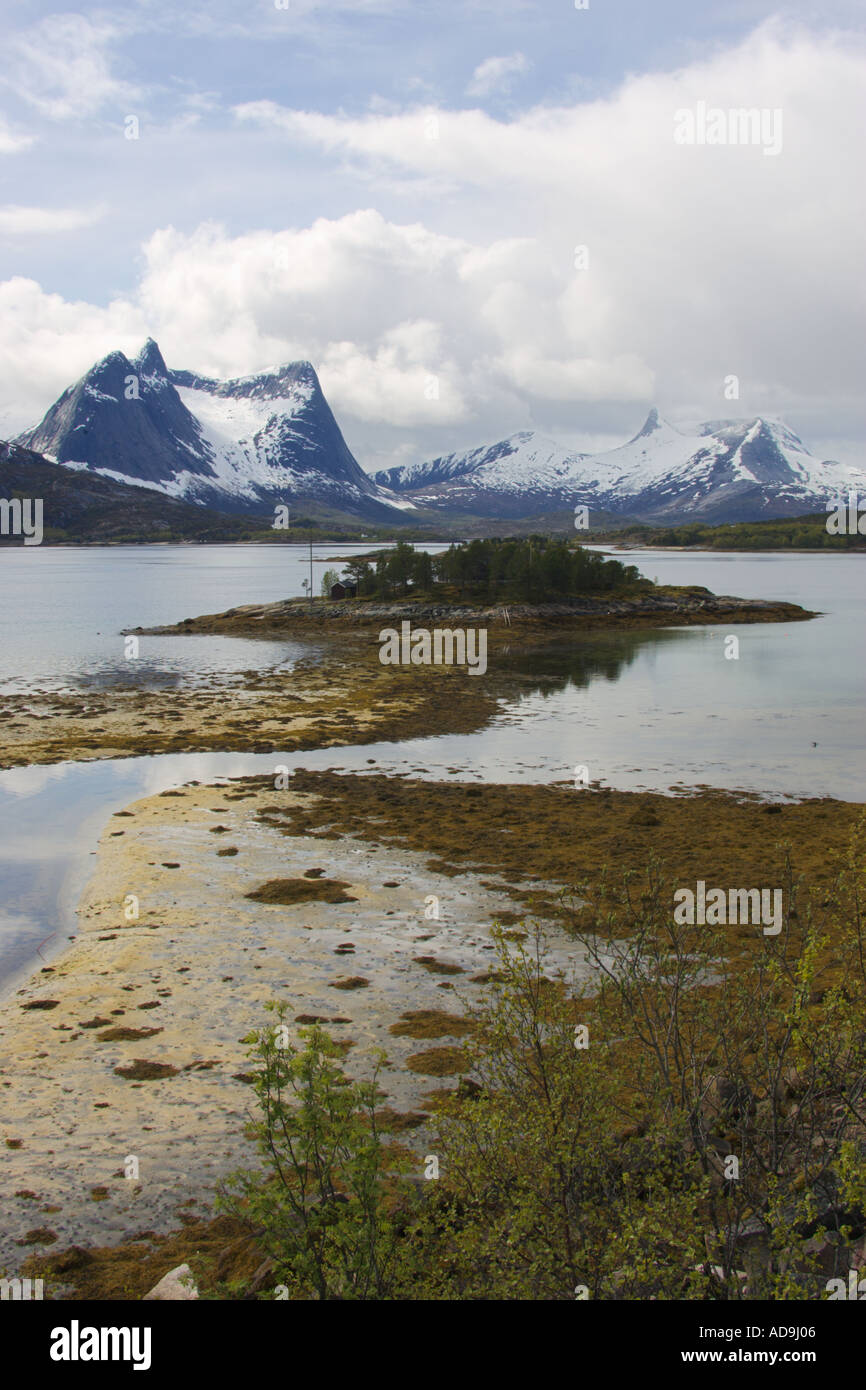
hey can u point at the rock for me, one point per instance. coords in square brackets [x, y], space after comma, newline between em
[726, 1101]
[176, 1286]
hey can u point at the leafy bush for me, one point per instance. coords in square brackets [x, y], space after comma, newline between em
[589, 1151]
[324, 1204]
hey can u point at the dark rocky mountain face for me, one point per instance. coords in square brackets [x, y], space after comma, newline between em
[123, 416]
[244, 445]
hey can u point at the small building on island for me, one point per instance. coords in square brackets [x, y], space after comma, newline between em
[339, 590]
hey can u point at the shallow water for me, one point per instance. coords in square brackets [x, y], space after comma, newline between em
[63, 610]
[665, 709]
[656, 710]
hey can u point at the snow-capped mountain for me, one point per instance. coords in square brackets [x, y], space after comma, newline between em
[251, 443]
[722, 470]
[243, 445]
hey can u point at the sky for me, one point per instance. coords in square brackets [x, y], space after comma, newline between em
[473, 218]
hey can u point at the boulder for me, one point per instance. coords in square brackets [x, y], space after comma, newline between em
[175, 1286]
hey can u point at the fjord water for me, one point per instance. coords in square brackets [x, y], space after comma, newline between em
[656, 709]
[63, 610]
[665, 709]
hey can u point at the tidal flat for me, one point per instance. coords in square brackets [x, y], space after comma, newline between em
[132, 1043]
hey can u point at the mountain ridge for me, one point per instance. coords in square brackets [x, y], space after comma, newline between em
[244, 444]
[247, 444]
[725, 470]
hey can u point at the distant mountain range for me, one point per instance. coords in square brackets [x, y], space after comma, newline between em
[246, 445]
[724, 470]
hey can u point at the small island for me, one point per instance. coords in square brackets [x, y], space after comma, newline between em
[512, 583]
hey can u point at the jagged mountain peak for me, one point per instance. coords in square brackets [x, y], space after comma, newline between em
[727, 470]
[650, 425]
[150, 361]
[238, 445]
[288, 380]
[111, 363]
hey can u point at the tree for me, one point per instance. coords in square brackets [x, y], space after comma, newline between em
[329, 578]
[322, 1205]
[360, 573]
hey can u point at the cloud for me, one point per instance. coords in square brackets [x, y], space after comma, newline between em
[62, 67]
[47, 341]
[699, 259]
[10, 141]
[496, 75]
[20, 221]
[582, 266]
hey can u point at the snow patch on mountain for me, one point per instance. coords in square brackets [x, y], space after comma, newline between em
[241, 445]
[726, 469]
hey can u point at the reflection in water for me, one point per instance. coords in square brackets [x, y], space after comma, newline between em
[167, 663]
[557, 666]
[50, 821]
[653, 709]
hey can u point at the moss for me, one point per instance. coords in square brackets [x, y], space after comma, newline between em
[438, 1061]
[42, 1235]
[126, 1034]
[140, 1070]
[319, 1018]
[302, 890]
[437, 966]
[215, 1249]
[395, 1121]
[431, 1023]
[715, 836]
[351, 982]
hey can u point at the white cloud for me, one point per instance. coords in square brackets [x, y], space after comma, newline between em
[62, 66]
[22, 221]
[496, 74]
[47, 341]
[11, 142]
[467, 318]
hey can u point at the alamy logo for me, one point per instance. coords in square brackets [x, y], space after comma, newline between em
[856, 1288]
[847, 520]
[76, 1343]
[738, 126]
[22, 518]
[718, 908]
[444, 646]
[23, 1289]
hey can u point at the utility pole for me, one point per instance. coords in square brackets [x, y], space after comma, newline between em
[311, 564]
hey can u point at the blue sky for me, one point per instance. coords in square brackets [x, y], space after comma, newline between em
[396, 192]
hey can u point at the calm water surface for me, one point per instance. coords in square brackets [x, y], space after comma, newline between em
[660, 710]
[63, 610]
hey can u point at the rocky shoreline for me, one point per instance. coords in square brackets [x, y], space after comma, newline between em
[677, 606]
